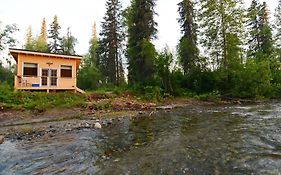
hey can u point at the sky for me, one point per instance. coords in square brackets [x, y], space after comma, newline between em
[80, 16]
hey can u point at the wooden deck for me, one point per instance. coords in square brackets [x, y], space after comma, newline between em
[51, 89]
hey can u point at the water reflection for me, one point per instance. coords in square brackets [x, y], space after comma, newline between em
[193, 140]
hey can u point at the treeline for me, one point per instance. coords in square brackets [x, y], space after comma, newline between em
[224, 49]
[56, 44]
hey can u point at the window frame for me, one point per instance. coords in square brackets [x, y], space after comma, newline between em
[23, 72]
[63, 67]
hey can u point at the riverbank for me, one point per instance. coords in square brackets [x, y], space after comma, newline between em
[18, 124]
[26, 115]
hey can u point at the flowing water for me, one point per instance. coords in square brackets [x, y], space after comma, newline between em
[191, 140]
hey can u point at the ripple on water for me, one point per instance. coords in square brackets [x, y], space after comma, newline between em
[191, 140]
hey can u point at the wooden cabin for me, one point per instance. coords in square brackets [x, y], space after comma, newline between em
[38, 71]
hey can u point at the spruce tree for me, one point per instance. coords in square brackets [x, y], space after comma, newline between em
[260, 40]
[42, 43]
[54, 36]
[277, 28]
[29, 40]
[253, 28]
[266, 40]
[68, 43]
[187, 49]
[141, 30]
[111, 42]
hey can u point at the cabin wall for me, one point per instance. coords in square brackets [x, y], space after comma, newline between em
[63, 83]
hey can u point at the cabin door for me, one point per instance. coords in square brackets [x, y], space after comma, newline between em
[49, 77]
[53, 77]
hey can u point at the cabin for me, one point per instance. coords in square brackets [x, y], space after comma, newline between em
[38, 71]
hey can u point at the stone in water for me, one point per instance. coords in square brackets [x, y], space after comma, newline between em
[97, 125]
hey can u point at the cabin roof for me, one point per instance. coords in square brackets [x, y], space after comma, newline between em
[16, 52]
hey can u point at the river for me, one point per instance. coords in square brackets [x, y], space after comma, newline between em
[241, 139]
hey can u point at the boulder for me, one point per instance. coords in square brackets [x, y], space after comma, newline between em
[2, 138]
[97, 125]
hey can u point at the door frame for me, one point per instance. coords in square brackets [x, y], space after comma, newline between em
[49, 77]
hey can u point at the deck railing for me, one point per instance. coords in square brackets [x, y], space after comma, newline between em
[23, 81]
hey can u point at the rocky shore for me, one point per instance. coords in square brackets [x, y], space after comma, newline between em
[29, 125]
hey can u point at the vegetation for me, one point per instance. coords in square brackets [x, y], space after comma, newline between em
[68, 43]
[225, 51]
[55, 45]
[89, 76]
[141, 52]
[39, 101]
[110, 62]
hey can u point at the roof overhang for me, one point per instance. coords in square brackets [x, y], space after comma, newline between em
[16, 52]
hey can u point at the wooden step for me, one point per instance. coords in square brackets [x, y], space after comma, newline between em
[80, 90]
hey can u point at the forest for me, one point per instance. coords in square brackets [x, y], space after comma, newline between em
[226, 50]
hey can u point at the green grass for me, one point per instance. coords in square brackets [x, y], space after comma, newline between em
[40, 101]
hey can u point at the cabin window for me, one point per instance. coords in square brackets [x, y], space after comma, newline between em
[66, 71]
[30, 69]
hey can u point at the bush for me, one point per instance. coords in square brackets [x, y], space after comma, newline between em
[212, 96]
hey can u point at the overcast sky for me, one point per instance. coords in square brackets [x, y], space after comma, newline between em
[80, 15]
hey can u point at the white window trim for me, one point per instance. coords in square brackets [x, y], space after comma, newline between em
[71, 71]
[22, 69]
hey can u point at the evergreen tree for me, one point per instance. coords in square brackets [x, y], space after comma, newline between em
[111, 41]
[68, 43]
[222, 26]
[187, 48]
[54, 35]
[94, 46]
[141, 30]
[277, 28]
[253, 27]
[41, 42]
[266, 41]
[29, 40]
[260, 40]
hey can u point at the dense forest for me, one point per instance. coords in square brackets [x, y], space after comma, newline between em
[225, 49]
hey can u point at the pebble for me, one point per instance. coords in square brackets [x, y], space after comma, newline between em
[2, 138]
[97, 125]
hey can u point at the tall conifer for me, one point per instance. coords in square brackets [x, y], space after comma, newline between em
[260, 33]
[277, 28]
[141, 30]
[111, 42]
[54, 36]
[29, 40]
[187, 48]
[42, 43]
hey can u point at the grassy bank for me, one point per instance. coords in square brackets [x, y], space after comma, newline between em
[39, 101]
[114, 98]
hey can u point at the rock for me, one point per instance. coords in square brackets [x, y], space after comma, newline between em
[97, 125]
[109, 122]
[164, 107]
[87, 125]
[2, 138]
